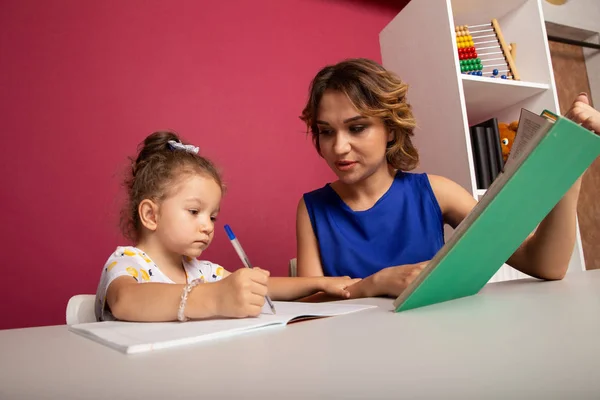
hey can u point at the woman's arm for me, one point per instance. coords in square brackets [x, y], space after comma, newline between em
[544, 254]
[240, 294]
[308, 259]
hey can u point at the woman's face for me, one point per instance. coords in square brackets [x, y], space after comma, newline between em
[353, 145]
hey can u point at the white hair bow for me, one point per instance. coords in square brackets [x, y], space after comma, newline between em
[185, 147]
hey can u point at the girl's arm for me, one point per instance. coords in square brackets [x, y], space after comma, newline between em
[544, 254]
[294, 288]
[240, 294]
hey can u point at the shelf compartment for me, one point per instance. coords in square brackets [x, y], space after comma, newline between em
[485, 97]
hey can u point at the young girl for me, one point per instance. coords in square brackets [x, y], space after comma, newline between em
[174, 198]
[379, 221]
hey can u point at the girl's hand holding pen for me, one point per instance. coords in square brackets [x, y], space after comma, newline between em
[242, 294]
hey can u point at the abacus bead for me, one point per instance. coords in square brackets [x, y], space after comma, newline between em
[479, 73]
[503, 77]
[495, 71]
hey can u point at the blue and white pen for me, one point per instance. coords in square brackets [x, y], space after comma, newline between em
[238, 249]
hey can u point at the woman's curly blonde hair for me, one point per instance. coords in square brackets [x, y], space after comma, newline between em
[375, 92]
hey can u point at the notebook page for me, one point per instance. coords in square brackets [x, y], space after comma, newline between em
[137, 337]
[289, 310]
[134, 337]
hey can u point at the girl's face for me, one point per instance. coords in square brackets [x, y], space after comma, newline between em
[353, 145]
[186, 218]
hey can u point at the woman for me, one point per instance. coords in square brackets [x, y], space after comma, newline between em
[379, 221]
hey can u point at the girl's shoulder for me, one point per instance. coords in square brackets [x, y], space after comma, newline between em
[128, 254]
[207, 270]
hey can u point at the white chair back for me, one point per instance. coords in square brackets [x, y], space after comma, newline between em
[292, 268]
[80, 309]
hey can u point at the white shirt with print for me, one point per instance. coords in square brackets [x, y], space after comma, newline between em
[131, 261]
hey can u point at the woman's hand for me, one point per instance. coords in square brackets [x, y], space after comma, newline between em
[392, 281]
[582, 113]
[337, 286]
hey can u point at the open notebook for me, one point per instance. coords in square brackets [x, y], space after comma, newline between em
[138, 337]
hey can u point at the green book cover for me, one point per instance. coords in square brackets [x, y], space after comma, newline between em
[554, 152]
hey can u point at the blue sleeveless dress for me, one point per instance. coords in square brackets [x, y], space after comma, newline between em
[405, 226]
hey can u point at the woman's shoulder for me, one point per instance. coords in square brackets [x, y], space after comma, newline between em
[437, 181]
[320, 192]
[324, 194]
[454, 200]
[444, 187]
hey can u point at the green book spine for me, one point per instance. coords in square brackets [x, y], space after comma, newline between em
[512, 214]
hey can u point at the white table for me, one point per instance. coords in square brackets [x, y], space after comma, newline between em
[515, 340]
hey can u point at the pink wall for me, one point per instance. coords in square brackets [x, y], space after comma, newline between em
[82, 83]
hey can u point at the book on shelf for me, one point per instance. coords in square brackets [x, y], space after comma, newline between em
[487, 152]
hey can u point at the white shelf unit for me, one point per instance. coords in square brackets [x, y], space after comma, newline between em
[419, 45]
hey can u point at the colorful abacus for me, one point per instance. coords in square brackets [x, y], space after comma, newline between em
[467, 54]
[483, 52]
